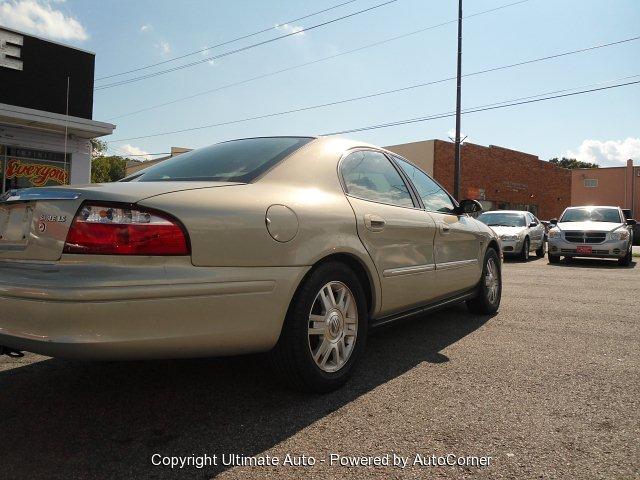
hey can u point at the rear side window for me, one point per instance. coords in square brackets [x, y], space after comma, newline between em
[371, 176]
[235, 161]
[435, 199]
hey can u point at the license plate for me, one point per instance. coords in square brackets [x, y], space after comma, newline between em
[583, 249]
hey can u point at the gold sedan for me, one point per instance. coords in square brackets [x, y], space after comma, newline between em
[290, 245]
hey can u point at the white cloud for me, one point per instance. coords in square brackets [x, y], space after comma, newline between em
[135, 152]
[287, 28]
[164, 47]
[608, 153]
[147, 27]
[41, 18]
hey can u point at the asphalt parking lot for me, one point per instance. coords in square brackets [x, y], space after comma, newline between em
[549, 388]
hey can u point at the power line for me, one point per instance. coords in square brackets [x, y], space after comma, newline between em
[378, 94]
[483, 108]
[241, 49]
[227, 42]
[492, 106]
[323, 59]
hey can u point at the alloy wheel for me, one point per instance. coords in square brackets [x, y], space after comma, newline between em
[492, 281]
[333, 326]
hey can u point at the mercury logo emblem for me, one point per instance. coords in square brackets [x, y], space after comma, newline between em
[42, 227]
[334, 324]
[10, 44]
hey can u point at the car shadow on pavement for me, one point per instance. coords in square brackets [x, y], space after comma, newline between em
[592, 263]
[64, 419]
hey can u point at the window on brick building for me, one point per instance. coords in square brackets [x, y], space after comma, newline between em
[591, 182]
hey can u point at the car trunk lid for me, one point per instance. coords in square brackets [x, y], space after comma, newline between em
[34, 222]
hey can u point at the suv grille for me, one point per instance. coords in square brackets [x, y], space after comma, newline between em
[585, 237]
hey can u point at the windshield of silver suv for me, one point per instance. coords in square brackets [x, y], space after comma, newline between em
[591, 215]
[500, 219]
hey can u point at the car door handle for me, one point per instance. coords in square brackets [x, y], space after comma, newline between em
[374, 223]
[444, 228]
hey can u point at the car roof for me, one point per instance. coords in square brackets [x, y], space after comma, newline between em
[508, 211]
[593, 206]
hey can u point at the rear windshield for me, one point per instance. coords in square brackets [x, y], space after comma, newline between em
[499, 219]
[235, 161]
[591, 215]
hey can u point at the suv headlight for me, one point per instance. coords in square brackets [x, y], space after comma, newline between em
[509, 238]
[555, 233]
[622, 234]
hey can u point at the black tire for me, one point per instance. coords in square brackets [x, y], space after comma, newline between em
[481, 303]
[524, 254]
[540, 252]
[568, 259]
[554, 258]
[292, 359]
[626, 260]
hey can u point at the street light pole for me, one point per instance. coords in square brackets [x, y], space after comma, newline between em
[456, 168]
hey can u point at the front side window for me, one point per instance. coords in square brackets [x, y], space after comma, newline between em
[587, 214]
[435, 199]
[502, 219]
[371, 176]
[235, 161]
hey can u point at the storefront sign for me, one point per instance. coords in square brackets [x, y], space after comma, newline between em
[38, 174]
[10, 44]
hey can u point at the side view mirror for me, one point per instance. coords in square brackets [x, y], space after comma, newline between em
[469, 206]
[553, 221]
[533, 224]
[631, 221]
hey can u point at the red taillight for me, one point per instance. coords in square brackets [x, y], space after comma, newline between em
[125, 230]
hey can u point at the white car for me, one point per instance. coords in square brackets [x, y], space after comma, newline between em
[590, 231]
[520, 232]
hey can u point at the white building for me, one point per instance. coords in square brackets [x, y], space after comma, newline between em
[46, 104]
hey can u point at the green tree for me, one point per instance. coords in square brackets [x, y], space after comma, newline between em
[108, 169]
[105, 168]
[572, 163]
[98, 148]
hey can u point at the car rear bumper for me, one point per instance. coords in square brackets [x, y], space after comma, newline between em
[139, 308]
[608, 249]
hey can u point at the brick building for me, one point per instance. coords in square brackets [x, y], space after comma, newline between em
[607, 186]
[498, 177]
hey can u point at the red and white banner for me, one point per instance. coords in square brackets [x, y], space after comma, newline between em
[39, 174]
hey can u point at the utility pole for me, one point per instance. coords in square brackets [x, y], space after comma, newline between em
[456, 168]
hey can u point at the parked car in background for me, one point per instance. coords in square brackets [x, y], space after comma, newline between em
[592, 231]
[636, 227]
[520, 232]
[292, 245]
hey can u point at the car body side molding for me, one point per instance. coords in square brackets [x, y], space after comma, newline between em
[379, 322]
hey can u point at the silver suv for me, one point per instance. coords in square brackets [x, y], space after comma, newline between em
[589, 231]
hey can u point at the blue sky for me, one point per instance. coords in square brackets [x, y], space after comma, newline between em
[604, 126]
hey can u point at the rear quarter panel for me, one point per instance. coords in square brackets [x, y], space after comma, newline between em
[227, 227]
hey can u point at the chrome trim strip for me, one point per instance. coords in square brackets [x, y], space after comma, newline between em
[35, 194]
[119, 293]
[394, 272]
[457, 264]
